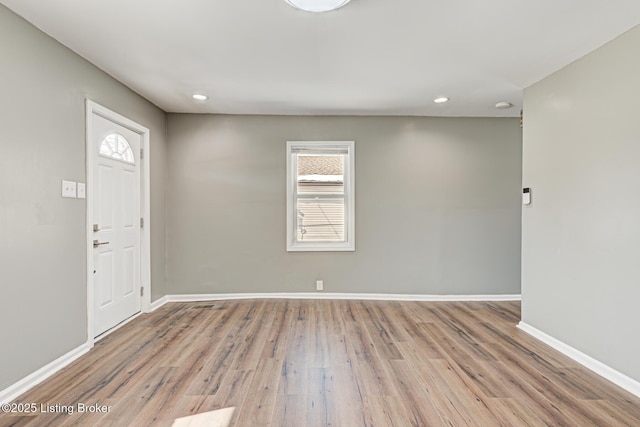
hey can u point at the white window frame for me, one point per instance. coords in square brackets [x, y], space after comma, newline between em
[349, 244]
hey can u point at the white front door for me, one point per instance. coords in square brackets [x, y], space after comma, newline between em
[115, 231]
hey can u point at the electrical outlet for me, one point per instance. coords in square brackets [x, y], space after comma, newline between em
[319, 285]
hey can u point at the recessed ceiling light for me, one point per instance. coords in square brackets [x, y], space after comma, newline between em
[317, 5]
[441, 100]
[200, 97]
[503, 105]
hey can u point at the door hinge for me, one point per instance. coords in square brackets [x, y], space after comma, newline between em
[141, 222]
[142, 153]
[141, 291]
[521, 119]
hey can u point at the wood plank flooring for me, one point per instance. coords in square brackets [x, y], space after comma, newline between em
[314, 363]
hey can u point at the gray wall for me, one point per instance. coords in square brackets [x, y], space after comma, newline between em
[437, 206]
[581, 234]
[43, 86]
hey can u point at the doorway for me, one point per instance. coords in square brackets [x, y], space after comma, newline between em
[117, 219]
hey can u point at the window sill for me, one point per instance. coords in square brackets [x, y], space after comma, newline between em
[316, 247]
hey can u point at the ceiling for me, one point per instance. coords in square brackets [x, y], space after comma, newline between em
[371, 57]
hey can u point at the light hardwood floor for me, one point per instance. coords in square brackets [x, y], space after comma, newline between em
[330, 363]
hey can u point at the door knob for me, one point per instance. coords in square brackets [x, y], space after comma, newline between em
[96, 243]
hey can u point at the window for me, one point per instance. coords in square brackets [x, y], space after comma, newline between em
[116, 147]
[320, 196]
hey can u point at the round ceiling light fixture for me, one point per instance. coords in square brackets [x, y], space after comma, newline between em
[317, 5]
[441, 100]
[199, 97]
[503, 105]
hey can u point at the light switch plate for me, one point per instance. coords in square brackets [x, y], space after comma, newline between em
[69, 189]
[81, 193]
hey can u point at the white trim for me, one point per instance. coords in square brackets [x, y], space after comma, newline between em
[145, 208]
[322, 295]
[30, 381]
[158, 303]
[145, 212]
[618, 378]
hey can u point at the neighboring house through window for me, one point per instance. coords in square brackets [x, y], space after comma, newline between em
[320, 196]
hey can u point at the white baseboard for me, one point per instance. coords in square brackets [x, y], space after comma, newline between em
[324, 295]
[618, 378]
[25, 384]
[158, 303]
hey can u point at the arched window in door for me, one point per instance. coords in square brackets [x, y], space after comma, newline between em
[116, 147]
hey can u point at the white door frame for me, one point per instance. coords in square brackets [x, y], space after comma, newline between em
[145, 210]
